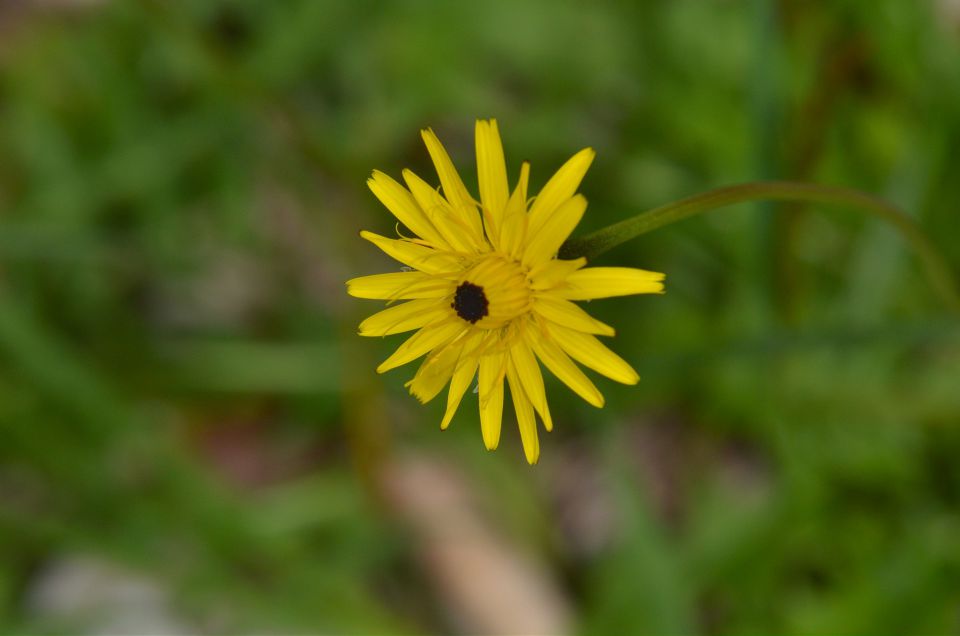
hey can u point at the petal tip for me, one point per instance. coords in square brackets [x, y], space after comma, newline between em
[421, 397]
[352, 289]
[366, 332]
[531, 450]
[447, 417]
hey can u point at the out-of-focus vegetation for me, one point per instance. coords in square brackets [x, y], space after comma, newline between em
[182, 393]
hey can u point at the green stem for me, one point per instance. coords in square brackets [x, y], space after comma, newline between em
[936, 268]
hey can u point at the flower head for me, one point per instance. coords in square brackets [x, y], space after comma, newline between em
[486, 292]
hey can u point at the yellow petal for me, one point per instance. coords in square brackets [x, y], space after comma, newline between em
[559, 188]
[399, 286]
[491, 174]
[567, 314]
[563, 367]
[429, 337]
[462, 377]
[404, 317]
[435, 372]
[492, 371]
[453, 227]
[401, 203]
[514, 228]
[604, 282]
[543, 245]
[529, 373]
[417, 256]
[525, 419]
[590, 352]
[453, 188]
[549, 274]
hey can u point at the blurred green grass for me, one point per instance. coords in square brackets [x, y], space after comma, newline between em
[181, 186]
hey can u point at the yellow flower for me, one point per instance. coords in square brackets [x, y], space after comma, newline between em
[486, 292]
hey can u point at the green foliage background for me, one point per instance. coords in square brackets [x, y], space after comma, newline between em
[181, 187]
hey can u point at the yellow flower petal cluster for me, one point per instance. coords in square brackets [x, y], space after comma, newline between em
[486, 293]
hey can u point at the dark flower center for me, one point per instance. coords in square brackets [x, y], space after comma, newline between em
[470, 303]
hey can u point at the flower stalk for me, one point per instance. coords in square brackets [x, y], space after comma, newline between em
[935, 266]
